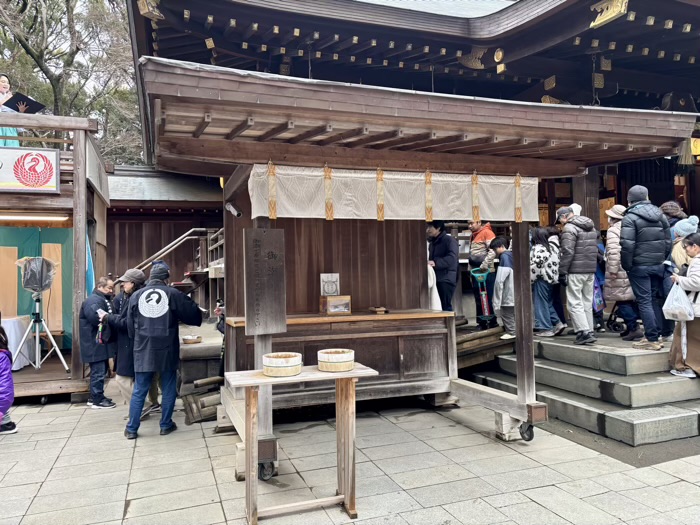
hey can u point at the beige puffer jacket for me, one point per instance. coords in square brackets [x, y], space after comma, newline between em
[617, 284]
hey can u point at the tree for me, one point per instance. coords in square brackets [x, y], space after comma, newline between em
[75, 57]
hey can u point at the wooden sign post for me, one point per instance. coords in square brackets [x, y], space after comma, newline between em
[265, 314]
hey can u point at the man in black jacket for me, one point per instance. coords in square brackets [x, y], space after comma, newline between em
[131, 281]
[152, 320]
[94, 348]
[645, 240]
[444, 258]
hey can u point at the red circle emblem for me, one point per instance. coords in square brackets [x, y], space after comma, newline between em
[33, 170]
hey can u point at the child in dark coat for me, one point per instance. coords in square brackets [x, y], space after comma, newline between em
[7, 386]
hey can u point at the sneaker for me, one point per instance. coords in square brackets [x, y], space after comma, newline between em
[648, 345]
[585, 338]
[105, 403]
[157, 408]
[571, 332]
[8, 428]
[166, 431]
[89, 401]
[130, 435]
[636, 335]
[559, 329]
[684, 373]
[507, 337]
[546, 333]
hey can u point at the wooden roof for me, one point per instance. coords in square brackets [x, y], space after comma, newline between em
[206, 118]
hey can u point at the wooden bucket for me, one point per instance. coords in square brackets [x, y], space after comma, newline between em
[282, 364]
[336, 360]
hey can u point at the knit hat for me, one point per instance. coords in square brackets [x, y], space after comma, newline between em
[685, 227]
[160, 272]
[133, 276]
[673, 209]
[637, 194]
[616, 212]
[576, 208]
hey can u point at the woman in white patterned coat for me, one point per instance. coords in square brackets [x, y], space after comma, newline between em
[544, 274]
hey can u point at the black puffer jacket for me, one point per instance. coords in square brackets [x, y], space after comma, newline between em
[579, 247]
[444, 251]
[90, 350]
[125, 345]
[645, 237]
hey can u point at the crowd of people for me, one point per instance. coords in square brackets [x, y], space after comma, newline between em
[647, 250]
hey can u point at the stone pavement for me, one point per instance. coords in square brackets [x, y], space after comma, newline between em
[71, 465]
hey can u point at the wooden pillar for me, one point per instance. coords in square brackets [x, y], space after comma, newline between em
[551, 201]
[524, 344]
[585, 190]
[692, 183]
[79, 244]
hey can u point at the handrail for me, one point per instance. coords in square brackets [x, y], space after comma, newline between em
[194, 233]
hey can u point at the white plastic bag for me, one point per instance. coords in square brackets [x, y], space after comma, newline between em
[678, 306]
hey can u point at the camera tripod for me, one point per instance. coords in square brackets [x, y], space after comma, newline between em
[35, 327]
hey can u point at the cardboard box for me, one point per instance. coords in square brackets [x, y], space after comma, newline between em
[335, 305]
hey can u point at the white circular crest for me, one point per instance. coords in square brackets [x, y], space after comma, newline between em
[153, 303]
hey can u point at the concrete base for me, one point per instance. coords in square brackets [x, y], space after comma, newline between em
[507, 428]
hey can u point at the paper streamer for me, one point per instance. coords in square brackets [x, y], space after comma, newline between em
[428, 196]
[328, 185]
[272, 190]
[380, 194]
[476, 214]
[518, 198]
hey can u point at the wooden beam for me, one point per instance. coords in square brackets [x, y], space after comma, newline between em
[79, 243]
[451, 139]
[290, 35]
[497, 146]
[240, 128]
[311, 133]
[230, 28]
[251, 30]
[550, 147]
[409, 139]
[194, 166]
[251, 152]
[237, 180]
[277, 130]
[371, 139]
[328, 41]
[209, 21]
[345, 135]
[347, 43]
[203, 124]
[26, 120]
[452, 145]
[524, 344]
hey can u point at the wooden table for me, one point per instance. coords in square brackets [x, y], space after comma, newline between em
[252, 380]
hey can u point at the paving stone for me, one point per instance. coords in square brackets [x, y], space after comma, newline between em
[316, 449]
[619, 481]
[186, 454]
[451, 430]
[84, 498]
[314, 517]
[303, 427]
[107, 480]
[681, 469]
[683, 491]
[591, 468]
[18, 447]
[459, 441]
[19, 492]
[531, 513]
[582, 488]
[652, 497]
[306, 439]
[418, 462]
[201, 515]
[315, 478]
[397, 451]
[235, 508]
[430, 516]
[506, 500]
[569, 507]
[564, 454]
[72, 460]
[380, 427]
[475, 511]
[656, 519]
[166, 471]
[89, 469]
[431, 476]
[74, 450]
[24, 478]
[652, 476]
[323, 461]
[620, 506]
[452, 492]
[376, 506]
[78, 516]
[379, 440]
[14, 507]
[384, 520]
[688, 515]
[526, 479]
[173, 484]
[543, 442]
[14, 520]
[477, 452]
[499, 465]
[363, 487]
[172, 501]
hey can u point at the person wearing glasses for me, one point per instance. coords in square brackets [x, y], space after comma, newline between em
[690, 366]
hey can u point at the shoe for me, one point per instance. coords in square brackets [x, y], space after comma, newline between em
[166, 431]
[130, 435]
[90, 403]
[507, 337]
[636, 335]
[647, 345]
[585, 338]
[625, 332]
[8, 428]
[146, 411]
[571, 332]
[105, 403]
[684, 373]
[546, 333]
[591, 339]
[157, 408]
[559, 329]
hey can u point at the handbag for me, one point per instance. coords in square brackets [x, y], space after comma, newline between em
[678, 306]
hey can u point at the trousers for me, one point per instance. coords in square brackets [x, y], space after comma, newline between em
[579, 300]
[142, 384]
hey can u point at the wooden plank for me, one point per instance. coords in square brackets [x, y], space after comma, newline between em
[49, 388]
[203, 124]
[79, 244]
[480, 334]
[349, 449]
[8, 269]
[308, 374]
[53, 297]
[483, 356]
[251, 455]
[451, 348]
[340, 435]
[318, 319]
[25, 120]
[240, 128]
[302, 506]
[524, 344]
[264, 282]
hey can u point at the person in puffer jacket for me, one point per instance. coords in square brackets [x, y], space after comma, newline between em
[578, 263]
[7, 386]
[646, 243]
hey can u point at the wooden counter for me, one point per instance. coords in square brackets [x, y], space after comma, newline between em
[413, 351]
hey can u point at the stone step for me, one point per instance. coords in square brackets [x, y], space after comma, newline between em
[631, 391]
[618, 360]
[637, 426]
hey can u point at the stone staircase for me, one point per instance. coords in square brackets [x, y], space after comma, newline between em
[610, 389]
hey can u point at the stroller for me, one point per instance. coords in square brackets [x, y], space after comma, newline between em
[614, 322]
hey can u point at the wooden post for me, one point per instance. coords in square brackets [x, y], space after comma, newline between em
[586, 191]
[79, 244]
[340, 434]
[251, 454]
[551, 201]
[524, 344]
[349, 449]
